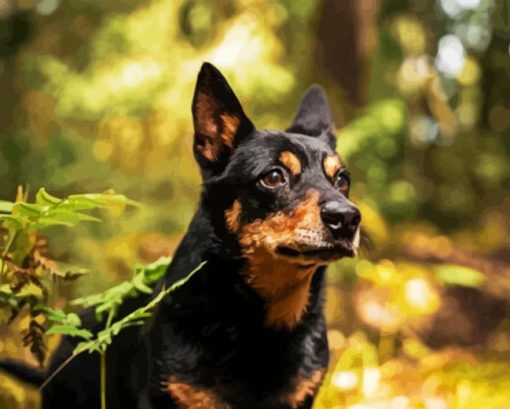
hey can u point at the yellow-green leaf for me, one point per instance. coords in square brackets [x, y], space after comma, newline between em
[30, 290]
[44, 198]
[5, 206]
[69, 330]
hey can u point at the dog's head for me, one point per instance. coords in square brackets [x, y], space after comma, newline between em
[282, 194]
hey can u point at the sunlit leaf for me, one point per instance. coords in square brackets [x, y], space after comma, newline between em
[44, 198]
[138, 283]
[96, 200]
[30, 290]
[47, 222]
[50, 313]
[10, 222]
[29, 210]
[66, 271]
[5, 206]
[64, 218]
[70, 330]
[6, 289]
[156, 270]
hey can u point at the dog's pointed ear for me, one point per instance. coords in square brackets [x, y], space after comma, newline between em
[313, 117]
[219, 120]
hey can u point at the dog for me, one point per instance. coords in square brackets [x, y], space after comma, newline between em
[247, 330]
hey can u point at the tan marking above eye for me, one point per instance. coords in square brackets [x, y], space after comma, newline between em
[291, 162]
[332, 165]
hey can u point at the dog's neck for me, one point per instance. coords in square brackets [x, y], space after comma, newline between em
[284, 286]
[284, 290]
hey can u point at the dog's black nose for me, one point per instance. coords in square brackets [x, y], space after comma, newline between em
[341, 218]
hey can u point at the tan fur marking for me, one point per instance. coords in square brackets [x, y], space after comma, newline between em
[189, 397]
[291, 162]
[233, 217]
[331, 165]
[209, 150]
[216, 134]
[282, 283]
[230, 127]
[304, 388]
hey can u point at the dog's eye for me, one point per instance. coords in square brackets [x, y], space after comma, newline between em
[343, 182]
[273, 179]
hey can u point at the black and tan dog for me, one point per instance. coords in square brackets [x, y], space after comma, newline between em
[247, 331]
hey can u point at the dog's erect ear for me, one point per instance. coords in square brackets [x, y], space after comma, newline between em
[313, 117]
[219, 120]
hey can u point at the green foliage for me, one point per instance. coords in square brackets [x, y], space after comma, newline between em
[69, 324]
[49, 210]
[6, 207]
[135, 318]
[64, 324]
[27, 274]
[110, 300]
[108, 303]
[23, 256]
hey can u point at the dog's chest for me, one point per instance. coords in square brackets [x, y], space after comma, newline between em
[232, 370]
[190, 396]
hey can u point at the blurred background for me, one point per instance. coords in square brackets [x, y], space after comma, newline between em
[96, 95]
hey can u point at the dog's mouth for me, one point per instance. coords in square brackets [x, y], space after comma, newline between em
[324, 254]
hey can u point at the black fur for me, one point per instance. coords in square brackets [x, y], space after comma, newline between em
[211, 333]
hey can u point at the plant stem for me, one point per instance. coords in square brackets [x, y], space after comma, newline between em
[103, 379]
[109, 319]
[56, 371]
[6, 250]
